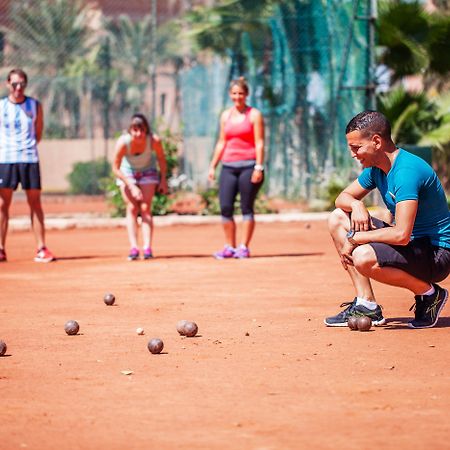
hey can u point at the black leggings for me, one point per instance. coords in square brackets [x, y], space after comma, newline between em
[233, 180]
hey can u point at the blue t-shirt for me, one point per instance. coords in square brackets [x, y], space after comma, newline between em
[411, 178]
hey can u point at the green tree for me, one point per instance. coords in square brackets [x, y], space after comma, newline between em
[413, 41]
[221, 28]
[412, 115]
[131, 50]
[47, 37]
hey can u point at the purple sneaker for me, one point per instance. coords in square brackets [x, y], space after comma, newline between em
[134, 254]
[242, 252]
[147, 253]
[227, 252]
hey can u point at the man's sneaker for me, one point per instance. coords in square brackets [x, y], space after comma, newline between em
[227, 252]
[147, 253]
[134, 254]
[44, 255]
[242, 252]
[428, 307]
[2, 255]
[352, 309]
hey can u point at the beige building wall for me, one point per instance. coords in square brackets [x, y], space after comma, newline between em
[58, 156]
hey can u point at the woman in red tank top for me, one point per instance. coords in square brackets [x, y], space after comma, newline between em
[240, 149]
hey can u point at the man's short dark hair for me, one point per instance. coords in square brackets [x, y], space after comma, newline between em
[370, 123]
[19, 72]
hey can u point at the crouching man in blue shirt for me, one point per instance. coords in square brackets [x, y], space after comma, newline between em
[412, 252]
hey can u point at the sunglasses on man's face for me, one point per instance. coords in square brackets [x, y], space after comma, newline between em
[16, 84]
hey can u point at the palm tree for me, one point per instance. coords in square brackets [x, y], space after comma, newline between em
[412, 115]
[221, 28]
[47, 37]
[413, 41]
[131, 47]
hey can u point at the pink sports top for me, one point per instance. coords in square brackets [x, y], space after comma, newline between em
[239, 139]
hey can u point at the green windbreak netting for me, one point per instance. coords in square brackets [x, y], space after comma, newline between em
[307, 66]
[92, 64]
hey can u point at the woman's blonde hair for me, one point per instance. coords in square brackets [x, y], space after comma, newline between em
[240, 82]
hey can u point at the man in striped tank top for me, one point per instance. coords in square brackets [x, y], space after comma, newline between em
[21, 125]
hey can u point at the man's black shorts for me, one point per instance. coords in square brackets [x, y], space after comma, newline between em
[27, 174]
[419, 258]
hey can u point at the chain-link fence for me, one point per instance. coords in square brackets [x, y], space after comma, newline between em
[93, 64]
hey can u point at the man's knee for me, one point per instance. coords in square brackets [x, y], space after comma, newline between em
[34, 199]
[364, 258]
[337, 219]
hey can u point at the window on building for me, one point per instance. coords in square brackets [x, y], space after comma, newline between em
[162, 104]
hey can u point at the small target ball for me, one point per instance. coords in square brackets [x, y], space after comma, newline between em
[140, 331]
[364, 323]
[71, 327]
[352, 323]
[180, 326]
[109, 299]
[155, 346]
[190, 329]
[3, 348]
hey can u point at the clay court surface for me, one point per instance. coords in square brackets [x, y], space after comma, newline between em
[264, 372]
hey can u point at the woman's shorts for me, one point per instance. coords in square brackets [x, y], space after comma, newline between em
[419, 258]
[149, 176]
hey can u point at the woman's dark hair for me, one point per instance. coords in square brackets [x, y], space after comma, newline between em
[139, 120]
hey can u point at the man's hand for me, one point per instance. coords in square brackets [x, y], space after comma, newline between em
[346, 254]
[360, 217]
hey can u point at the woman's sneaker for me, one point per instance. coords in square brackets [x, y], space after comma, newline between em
[2, 255]
[242, 252]
[134, 254]
[428, 307]
[44, 255]
[227, 252]
[147, 253]
[352, 309]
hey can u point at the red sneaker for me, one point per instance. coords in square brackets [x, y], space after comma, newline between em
[44, 255]
[2, 255]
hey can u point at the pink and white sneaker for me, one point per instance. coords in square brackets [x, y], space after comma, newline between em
[134, 254]
[44, 255]
[147, 253]
[227, 252]
[242, 252]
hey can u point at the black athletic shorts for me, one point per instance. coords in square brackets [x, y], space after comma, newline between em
[27, 174]
[419, 258]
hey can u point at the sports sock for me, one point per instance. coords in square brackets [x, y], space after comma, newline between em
[430, 291]
[366, 303]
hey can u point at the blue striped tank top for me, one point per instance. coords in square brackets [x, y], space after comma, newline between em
[18, 131]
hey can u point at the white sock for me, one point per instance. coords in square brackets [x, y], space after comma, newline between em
[366, 303]
[430, 291]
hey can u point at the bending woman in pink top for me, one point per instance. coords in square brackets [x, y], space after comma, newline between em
[240, 148]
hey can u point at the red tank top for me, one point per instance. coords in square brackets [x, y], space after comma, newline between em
[239, 139]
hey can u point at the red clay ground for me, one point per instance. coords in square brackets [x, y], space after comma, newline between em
[265, 373]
